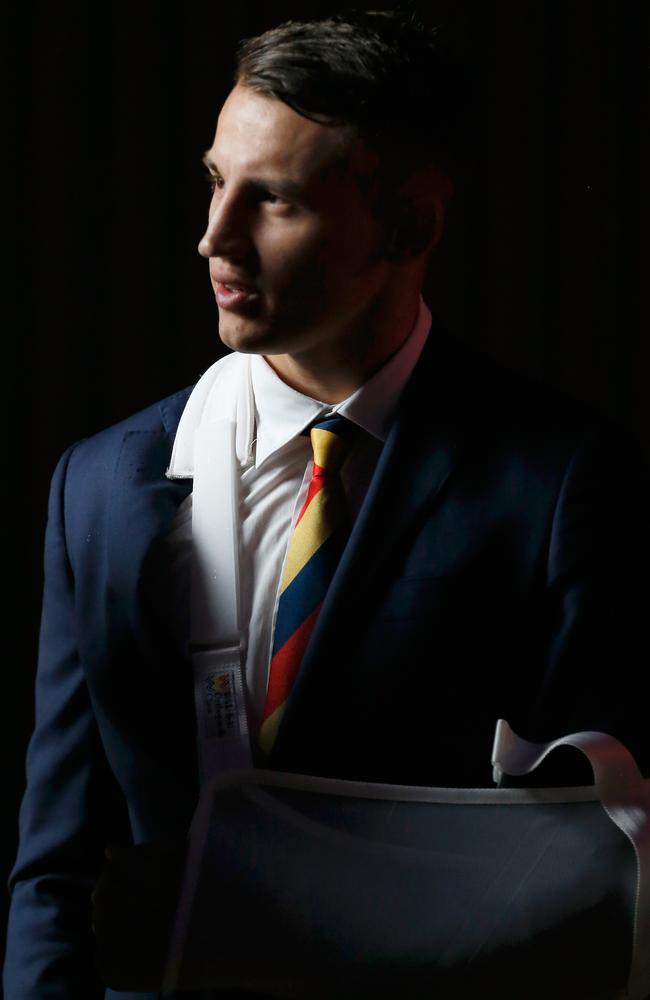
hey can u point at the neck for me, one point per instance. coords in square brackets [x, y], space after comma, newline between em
[332, 371]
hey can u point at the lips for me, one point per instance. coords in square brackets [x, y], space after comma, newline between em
[234, 297]
[235, 287]
[233, 282]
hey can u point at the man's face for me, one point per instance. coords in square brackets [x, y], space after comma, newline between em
[290, 229]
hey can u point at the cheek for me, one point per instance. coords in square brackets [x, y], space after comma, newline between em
[313, 262]
[297, 258]
[355, 233]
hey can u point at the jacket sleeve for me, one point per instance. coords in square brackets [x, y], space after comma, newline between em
[50, 950]
[597, 597]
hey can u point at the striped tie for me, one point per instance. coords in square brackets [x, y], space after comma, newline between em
[316, 544]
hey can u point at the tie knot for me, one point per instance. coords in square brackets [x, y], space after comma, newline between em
[331, 438]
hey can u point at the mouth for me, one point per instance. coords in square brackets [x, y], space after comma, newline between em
[235, 297]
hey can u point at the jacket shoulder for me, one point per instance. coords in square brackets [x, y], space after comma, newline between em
[91, 460]
[498, 404]
[161, 415]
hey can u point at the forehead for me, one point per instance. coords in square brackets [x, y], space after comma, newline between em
[260, 135]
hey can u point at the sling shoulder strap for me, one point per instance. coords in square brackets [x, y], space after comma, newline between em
[625, 797]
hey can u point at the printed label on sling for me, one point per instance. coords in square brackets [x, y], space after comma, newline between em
[220, 715]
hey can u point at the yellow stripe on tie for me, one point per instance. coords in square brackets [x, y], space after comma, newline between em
[329, 449]
[314, 527]
[269, 728]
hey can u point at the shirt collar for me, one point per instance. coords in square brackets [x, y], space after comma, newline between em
[282, 413]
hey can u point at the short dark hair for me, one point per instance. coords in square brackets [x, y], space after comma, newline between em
[382, 74]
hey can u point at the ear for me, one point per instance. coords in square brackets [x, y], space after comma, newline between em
[412, 231]
[415, 220]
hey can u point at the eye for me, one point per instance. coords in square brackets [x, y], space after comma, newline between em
[214, 180]
[268, 196]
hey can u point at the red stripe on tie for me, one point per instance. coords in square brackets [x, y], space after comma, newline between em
[285, 663]
[315, 486]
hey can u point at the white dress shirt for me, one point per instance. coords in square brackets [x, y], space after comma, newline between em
[272, 489]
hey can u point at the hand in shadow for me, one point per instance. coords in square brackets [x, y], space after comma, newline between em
[134, 903]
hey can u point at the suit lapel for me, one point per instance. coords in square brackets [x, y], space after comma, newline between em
[143, 503]
[418, 457]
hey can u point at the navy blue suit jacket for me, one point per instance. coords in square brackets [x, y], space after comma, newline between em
[498, 569]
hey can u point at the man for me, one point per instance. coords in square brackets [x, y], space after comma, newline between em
[499, 531]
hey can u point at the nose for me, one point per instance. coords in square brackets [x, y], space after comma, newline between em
[227, 232]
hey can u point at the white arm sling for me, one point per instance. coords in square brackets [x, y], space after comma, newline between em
[215, 434]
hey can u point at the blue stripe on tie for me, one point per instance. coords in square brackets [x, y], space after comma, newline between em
[341, 426]
[307, 589]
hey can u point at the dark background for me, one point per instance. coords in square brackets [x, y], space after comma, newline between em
[108, 306]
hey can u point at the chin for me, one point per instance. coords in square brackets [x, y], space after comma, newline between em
[243, 334]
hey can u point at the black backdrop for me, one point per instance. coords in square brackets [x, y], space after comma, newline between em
[108, 307]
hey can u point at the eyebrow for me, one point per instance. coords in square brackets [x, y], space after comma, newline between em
[208, 162]
[278, 184]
